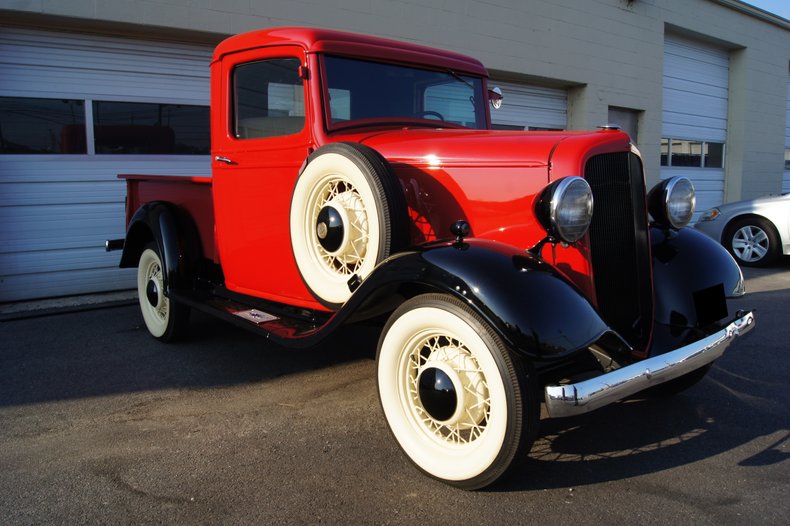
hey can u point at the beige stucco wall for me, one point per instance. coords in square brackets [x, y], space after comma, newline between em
[608, 52]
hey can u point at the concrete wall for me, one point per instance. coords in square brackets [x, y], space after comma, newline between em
[607, 52]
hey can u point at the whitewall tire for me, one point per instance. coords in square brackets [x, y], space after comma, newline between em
[458, 405]
[164, 319]
[347, 215]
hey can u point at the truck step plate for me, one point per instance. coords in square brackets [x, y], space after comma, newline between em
[255, 316]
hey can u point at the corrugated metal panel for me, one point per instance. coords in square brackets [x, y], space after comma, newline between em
[531, 106]
[696, 85]
[57, 210]
[56, 221]
[37, 63]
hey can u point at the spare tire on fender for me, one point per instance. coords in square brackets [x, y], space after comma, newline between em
[348, 213]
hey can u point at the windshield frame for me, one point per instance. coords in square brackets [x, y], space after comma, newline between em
[475, 81]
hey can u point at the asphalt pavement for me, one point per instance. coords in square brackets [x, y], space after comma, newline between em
[100, 423]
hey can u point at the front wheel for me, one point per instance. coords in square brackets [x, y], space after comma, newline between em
[752, 241]
[460, 407]
[165, 319]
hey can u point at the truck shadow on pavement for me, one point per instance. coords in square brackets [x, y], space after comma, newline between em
[109, 352]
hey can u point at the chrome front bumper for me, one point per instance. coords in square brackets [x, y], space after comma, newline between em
[578, 398]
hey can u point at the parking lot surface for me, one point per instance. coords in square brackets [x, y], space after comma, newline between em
[100, 423]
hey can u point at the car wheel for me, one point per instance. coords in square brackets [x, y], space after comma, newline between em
[348, 213]
[752, 241]
[460, 407]
[165, 319]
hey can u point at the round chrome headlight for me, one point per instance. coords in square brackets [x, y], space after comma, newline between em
[672, 201]
[565, 208]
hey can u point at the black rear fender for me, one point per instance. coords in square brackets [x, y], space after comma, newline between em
[176, 238]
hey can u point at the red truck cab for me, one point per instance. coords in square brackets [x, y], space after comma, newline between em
[358, 178]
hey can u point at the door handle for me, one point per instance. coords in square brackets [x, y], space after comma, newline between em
[225, 160]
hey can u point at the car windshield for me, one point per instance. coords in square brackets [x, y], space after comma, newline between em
[363, 92]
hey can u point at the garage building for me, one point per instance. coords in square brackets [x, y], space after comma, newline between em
[703, 87]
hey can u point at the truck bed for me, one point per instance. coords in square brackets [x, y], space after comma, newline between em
[193, 194]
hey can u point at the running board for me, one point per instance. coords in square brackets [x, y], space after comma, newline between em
[281, 327]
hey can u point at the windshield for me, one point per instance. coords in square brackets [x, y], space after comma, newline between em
[364, 92]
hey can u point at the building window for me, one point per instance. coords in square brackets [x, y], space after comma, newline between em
[691, 154]
[714, 155]
[268, 99]
[664, 152]
[42, 126]
[150, 128]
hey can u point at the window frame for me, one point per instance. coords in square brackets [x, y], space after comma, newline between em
[232, 120]
[704, 149]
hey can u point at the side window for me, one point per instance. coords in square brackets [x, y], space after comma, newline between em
[268, 99]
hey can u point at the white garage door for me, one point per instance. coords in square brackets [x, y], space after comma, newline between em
[694, 130]
[75, 110]
[530, 107]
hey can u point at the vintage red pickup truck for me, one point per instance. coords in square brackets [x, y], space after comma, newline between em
[357, 178]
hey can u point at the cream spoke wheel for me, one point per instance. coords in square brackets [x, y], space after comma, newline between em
[164, 319]
[347, 214]
[346, 255]
[437, 355]
[454, 399]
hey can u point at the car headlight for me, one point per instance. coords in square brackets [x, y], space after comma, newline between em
[565, 208]
[671, 202]
[710, 215]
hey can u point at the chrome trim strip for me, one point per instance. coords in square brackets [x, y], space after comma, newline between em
[582, 397]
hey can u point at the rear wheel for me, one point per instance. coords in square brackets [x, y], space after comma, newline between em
[165, 319]
[460, 407]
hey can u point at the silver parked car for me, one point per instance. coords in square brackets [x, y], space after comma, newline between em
[755, 232]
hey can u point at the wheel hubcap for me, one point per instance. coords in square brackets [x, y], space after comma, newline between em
[152, 293]
[438, 393]
[330, 229]
[340, 228]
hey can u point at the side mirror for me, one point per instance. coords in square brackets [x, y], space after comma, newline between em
[495, 97]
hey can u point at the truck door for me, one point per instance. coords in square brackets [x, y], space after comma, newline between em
[261, 138]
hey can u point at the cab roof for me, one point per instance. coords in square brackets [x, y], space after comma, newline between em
[314, 40]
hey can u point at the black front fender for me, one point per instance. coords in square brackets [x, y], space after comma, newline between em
[692, 274]
[537, 311]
